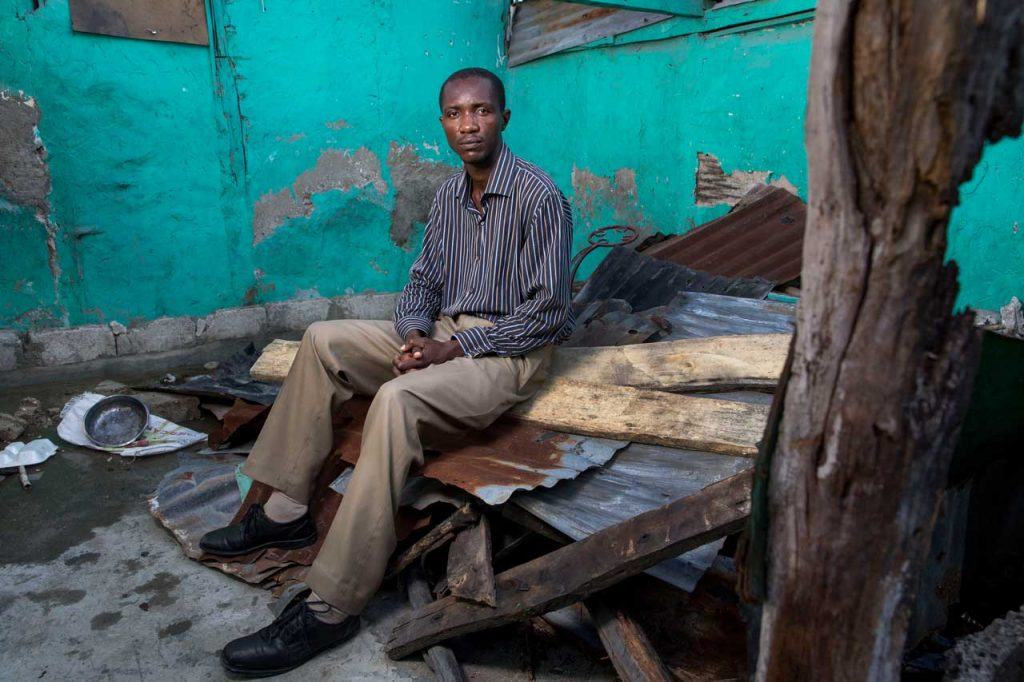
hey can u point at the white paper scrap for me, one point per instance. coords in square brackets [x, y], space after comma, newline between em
[19, 454]
[159, 437]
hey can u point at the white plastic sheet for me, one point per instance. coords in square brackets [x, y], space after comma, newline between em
[159, 437]
[20, 454]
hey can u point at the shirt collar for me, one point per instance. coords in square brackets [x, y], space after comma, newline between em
[502, 177]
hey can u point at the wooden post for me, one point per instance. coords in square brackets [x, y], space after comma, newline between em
[440, 658]
[903, 94]
[628, 648]
[470, 571]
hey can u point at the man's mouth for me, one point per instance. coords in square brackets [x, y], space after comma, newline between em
[471, 144]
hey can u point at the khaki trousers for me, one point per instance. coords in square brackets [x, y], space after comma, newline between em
[337, 359]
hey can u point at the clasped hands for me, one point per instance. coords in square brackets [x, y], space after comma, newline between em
[421, 351]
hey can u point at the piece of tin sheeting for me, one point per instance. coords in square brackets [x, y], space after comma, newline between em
[638, 479]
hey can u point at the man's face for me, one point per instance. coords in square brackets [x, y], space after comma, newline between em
[472, 119]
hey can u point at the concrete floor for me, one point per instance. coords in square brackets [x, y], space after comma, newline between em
[92, 588]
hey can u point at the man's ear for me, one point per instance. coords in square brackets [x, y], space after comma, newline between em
[506, 115]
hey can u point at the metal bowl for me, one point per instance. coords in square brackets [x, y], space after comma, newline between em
[116, 421]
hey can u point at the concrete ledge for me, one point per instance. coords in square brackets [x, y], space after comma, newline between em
[67, 346]
[172, 337]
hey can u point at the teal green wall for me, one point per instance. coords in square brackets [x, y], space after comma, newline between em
[161, 154]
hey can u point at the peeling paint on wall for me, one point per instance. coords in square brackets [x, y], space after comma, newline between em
[416, 181]
[591, 191]
[334, 170]
[24, 173]
[338, 124]
[714, 187]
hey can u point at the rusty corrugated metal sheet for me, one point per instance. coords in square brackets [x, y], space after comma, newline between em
[640, 478]
[543, 27]
[644, 282]
[493, 464]
[759, 238]
[176, 21]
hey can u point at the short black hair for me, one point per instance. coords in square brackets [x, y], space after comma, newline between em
[475, 72]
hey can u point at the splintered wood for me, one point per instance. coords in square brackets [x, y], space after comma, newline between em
[582, 568]
[719, 362]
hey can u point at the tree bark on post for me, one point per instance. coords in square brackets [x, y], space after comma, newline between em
[903, 95]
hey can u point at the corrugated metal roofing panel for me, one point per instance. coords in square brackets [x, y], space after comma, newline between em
[638, 479]
[543, 27]
[493, 464]
[644, 282]
[693, 314]
[759, 238]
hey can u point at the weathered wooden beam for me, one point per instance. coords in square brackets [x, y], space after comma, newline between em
[903, 97]
[576, 571]
[652, 417]
[680, 8]
[741, 361]
[626, 643]
[441, 659]
[470, 571]
[437, 536]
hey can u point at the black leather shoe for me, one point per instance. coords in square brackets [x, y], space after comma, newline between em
[292, 639]
[256, 531]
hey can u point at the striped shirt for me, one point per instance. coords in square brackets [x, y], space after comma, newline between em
[509, 264]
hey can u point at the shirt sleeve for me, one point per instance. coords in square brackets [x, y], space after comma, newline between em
[546, 314]
[420, 301]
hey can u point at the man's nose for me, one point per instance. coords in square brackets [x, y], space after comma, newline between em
[468, 124]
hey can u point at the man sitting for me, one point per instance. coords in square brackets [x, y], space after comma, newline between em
[473, 331]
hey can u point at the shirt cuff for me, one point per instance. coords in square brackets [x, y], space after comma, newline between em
[474, 341]
[411, 323]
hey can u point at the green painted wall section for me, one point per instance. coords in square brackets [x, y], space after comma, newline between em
[264, 167]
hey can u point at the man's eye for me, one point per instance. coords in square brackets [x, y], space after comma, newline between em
[483, 110]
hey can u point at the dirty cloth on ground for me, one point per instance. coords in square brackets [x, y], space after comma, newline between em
[160, 435]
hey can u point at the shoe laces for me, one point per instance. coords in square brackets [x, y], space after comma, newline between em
[289, 622]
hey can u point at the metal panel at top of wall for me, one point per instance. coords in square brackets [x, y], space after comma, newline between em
[543, 27]
[174, 21]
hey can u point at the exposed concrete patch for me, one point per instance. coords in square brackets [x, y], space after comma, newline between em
[996, 653]
[10, 351]
[338, 124]
[24, 173]
[416, 181]
[334, 170]
[63, 346]
[714, 187]
[297, 315]
[66, 346]
[231, 323]
[590, 191]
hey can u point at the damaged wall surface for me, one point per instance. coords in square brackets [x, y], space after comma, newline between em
[295, 157]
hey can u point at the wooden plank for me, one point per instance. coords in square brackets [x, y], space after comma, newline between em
[720, 362]
[626, 643]
[575, 571]
[653, 417]
[178, 21]
[435, 537]
[440, 659]
[470, 571]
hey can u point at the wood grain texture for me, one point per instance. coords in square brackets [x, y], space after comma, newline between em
[440, 659]
[652, 417]
[903, 95]
[626, 643]
[719, 362]
[582, 568]
[470, 571]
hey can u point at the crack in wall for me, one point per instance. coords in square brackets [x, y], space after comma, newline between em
[334, 170]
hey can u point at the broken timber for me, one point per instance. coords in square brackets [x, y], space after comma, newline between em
[437, 536]
[626, 643]
[470, 571]
[652, 417]
[440, 658]
[721, 362]
[576, 571]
